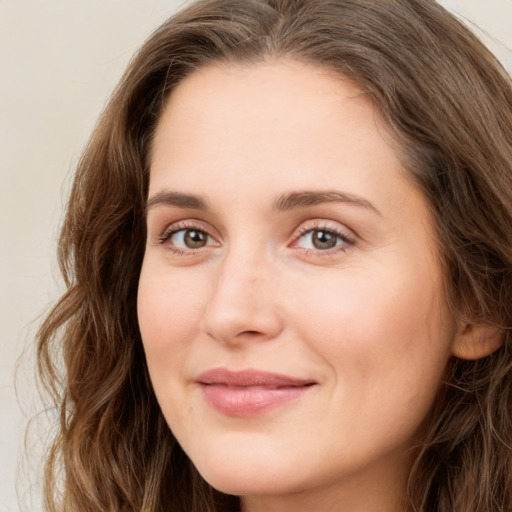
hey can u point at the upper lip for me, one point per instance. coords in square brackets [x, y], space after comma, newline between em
[249, 378]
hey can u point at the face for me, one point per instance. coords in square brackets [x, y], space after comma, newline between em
[291, 301]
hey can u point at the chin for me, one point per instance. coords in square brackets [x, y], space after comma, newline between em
[245, 473]
[247, 483]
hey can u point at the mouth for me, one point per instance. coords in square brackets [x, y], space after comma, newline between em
[249, 392]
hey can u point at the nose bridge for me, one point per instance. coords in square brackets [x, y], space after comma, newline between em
[242, 303]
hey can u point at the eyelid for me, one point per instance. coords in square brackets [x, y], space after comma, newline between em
[334, 227]
[183, 225]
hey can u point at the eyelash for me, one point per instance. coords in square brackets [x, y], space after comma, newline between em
[303, 230]
[322, 227]
[176, 228]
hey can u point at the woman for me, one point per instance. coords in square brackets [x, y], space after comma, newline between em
[288, 252]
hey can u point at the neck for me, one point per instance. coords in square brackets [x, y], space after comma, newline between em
[370, 491]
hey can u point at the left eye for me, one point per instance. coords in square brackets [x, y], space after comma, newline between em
[189, 239]
[320, 239]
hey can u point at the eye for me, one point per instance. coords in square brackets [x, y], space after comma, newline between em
[189, 239]
[182, 239]
[322, 239]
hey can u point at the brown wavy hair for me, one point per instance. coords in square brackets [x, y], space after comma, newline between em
[448, 106]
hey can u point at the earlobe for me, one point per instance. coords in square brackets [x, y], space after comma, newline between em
[475, 341]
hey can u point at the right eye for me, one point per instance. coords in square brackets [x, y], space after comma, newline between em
[183, 239]
[189, 239]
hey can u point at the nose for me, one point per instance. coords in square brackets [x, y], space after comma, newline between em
[243, 305]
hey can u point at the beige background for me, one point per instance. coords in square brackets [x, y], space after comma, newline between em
[59, 60]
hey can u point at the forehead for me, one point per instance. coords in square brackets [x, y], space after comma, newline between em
[287, 112]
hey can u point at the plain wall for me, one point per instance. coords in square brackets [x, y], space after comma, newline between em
[59, 60]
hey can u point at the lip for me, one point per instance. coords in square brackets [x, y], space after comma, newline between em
[250, 392]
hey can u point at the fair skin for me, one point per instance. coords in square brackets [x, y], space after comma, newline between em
[338, 286]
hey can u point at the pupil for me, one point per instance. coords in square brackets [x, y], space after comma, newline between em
[195, 239]
[324, 240]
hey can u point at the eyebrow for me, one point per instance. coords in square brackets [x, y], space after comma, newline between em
[177, 199]
[311, 198]
[285, 202]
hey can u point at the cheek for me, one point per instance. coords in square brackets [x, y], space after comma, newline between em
[169, 312]
[383, 331]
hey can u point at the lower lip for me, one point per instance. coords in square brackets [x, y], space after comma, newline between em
[249, 401]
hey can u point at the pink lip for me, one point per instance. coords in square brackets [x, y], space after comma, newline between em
[249, 392]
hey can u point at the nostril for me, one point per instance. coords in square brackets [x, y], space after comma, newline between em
[249, 333]
[233, 321]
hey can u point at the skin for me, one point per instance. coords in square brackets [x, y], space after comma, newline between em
[366, 320]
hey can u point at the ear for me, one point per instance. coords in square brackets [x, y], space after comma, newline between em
[474, 341]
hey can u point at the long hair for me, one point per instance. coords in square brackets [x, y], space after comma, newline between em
[447, 105]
